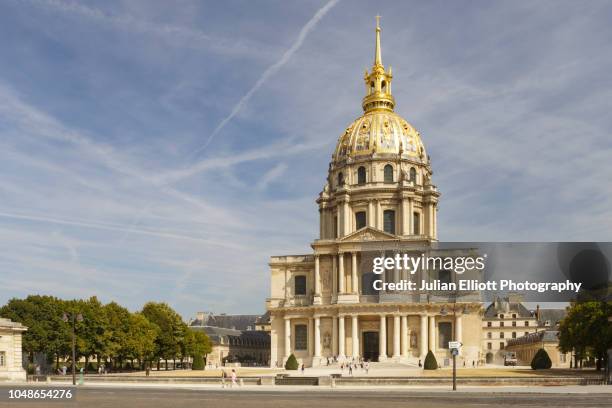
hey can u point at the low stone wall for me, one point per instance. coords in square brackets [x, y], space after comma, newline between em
[160, 380]
[478, 381]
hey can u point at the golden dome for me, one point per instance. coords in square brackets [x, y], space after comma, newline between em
[380, 132]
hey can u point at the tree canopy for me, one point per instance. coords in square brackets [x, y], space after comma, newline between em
[107, 333]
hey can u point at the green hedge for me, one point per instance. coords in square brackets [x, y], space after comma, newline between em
[541, 360]
[198, 362]
[430, 362]
[292, 363]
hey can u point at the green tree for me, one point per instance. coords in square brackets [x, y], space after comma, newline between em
[172, 330]
[430, 361]
[47, 332]
[541, 360]
[117, 333]
[140, 339]
[291, 363]
[586, 329]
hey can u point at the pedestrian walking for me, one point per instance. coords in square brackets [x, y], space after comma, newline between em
[350, 369]
[234, 377]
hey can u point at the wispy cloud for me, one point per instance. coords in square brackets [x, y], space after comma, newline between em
[270, 71]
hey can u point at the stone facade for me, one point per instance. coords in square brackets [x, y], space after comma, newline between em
[378, 199]
[11, 367]
[527, 346]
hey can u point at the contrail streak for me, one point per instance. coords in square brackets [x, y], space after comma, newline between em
[271, 70]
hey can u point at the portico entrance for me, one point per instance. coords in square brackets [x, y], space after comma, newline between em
[370, 346]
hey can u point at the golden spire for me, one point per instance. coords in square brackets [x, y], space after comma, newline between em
[378, 81]
[377, 54]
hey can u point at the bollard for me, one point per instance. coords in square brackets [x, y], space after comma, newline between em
[241, 382]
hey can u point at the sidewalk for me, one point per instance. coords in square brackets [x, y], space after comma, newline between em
[565, 389]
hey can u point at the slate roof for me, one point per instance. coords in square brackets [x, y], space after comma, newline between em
[504, 306]
[538, 337]
[554, 316]
[236, 322]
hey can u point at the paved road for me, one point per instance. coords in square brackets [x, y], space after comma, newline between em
[185, 398]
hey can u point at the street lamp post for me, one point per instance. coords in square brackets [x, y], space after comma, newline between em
[74, 317]
[454, 351]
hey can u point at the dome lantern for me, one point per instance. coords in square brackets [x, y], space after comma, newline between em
[378, 81]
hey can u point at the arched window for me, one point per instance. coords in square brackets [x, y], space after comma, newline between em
[340, 179]
[413, 175]
[360, 219]
[383, 86]
[300, 285]
[388, 173]
[389, 221]
[371, 87]
[361, 175]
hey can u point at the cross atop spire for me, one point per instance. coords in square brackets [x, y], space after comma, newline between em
[377, 52]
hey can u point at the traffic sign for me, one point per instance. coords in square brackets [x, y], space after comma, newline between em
[454, 344]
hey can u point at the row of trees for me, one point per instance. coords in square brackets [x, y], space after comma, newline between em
[108, 333]
[587, 332]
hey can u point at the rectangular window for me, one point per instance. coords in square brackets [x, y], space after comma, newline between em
[526, 323]
[300, 285]
[336, 227]
[360, 219]
[513, 324]
[501, 324]
[445, 334]
[514, 315]
[301, 337]
[2, 358]
[526, 333]
[389, 221]
[489, 346]
[501, 335]
[416, 223]
[489, 324]
[501, 345]
[444, 276]
[489, 335]
[514, 335]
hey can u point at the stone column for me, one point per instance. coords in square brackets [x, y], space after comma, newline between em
[310, 337]
[396, 336]
[341, 338]
[371, 216]
[410, 221]
[432, 333]
[334, 336]
[405, 217]
[341, 272]
[354, 278]
[287, 337]
[317, 278]
[347, 218]
[378, 216]
[355, 335]
[334, 275]
[423, 336]
[317, 336]
[382, 339]
[458, 328]
[405, 339]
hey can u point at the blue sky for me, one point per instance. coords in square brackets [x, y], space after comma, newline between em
[164, 150]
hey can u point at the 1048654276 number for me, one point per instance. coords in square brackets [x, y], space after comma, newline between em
[13, 394]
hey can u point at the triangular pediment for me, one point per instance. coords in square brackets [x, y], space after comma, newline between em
[368, 234]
